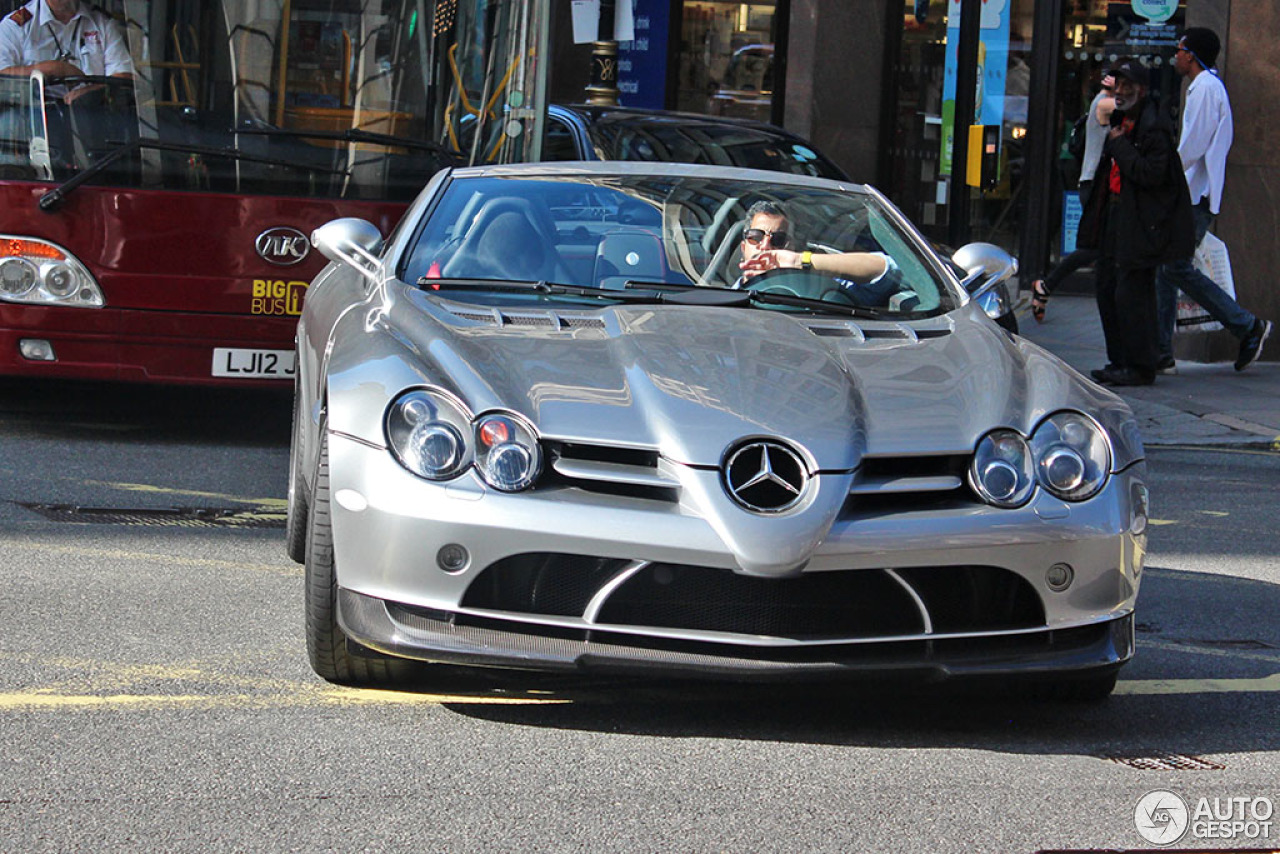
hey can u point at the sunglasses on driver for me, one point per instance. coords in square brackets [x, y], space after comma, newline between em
[756, 236]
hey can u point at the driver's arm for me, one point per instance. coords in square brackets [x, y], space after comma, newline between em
[859, 267]
[48, 67]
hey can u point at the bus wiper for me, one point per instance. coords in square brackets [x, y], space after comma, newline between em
[358, 135]
[51, 200]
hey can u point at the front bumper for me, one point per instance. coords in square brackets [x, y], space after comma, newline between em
[395, 599]
[425, 635]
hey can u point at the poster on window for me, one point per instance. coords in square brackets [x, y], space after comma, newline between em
[993, 73]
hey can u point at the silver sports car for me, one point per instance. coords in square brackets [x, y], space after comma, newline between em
[691, 420]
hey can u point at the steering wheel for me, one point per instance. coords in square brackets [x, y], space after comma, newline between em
[119, 89]
[799, 283]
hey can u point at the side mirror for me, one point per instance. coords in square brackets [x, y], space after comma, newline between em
[350, 241]
[987, 265]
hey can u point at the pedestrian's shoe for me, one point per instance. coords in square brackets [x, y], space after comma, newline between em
[1167, 366]
[1103, 375]
[1111, 375]
[1251, 344]
[1130, 376]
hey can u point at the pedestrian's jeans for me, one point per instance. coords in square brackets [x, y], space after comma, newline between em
[1183, 275]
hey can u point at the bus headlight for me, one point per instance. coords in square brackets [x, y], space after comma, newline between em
[41, 273]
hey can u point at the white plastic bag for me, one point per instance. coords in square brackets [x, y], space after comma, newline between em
[1213, 260]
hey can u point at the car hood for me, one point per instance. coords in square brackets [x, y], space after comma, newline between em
[691, 382]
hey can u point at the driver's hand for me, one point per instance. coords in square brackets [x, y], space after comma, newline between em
[771, 259]
[81, 90]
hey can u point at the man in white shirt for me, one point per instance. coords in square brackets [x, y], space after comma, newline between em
[63, 38]
[1206, 138]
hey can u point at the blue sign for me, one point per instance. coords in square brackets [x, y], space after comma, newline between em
[642, 63]
[1071, 213]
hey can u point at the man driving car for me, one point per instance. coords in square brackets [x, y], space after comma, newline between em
[869, 278]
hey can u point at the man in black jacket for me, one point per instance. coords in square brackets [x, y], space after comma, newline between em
[1149, 223]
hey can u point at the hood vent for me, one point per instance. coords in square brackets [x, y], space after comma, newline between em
[864, 333]
[527, 319]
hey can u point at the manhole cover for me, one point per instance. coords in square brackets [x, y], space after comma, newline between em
[1167, 762]
[193, 517]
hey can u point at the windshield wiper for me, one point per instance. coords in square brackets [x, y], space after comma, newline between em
[52, 199]
[540, 287]
[768, 298]
[358, 135]
[634, 292]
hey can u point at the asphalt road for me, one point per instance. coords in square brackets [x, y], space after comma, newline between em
[155, 695]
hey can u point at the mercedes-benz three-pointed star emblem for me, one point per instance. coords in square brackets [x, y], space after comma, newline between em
[766, 477]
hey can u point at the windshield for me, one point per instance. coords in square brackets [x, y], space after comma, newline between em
[300, 97]
[667, 232]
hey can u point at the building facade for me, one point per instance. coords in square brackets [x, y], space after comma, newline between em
[878, 86]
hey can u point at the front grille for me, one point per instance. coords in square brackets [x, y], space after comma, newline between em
[553, 584]
[810, 607]
[848, 604]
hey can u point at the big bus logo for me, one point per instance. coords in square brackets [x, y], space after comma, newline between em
[282, 246]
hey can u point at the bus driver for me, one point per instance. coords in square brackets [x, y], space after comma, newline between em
[63, 38]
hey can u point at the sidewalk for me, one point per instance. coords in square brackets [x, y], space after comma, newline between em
[1204, 404]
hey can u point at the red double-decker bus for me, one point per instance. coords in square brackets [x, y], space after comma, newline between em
[156, 228]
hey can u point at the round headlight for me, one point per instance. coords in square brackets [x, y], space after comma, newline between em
[17, 277]
[507, 452]
[1072, 457]
[60, 280]
[425, 431]
[1001, 472]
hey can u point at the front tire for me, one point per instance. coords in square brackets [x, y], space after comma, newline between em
[328, 647]
[296, 520]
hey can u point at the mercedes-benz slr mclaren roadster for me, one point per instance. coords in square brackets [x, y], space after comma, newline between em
[586, 417]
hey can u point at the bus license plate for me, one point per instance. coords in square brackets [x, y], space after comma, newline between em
[253, 364]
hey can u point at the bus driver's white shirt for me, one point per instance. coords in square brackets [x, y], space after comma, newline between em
[92, 39]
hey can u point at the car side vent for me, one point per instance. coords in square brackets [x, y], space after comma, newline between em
[910, 480]
[612, 470]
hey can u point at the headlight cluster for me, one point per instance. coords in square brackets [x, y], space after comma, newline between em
[36, 271]
[433, 436]
[1068, 455]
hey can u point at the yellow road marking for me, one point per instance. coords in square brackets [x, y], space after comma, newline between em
[118, 554]
[1198, 686]
[148, 488]
[43, 701]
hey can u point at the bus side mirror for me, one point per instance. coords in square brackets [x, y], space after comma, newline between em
[350, 241]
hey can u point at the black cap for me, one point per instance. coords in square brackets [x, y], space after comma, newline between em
[1130, 69]
[1203, 44]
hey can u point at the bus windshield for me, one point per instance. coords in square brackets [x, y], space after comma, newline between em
[294, 97]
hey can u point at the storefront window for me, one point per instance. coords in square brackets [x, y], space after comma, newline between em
[926, 128]
[726, 59]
